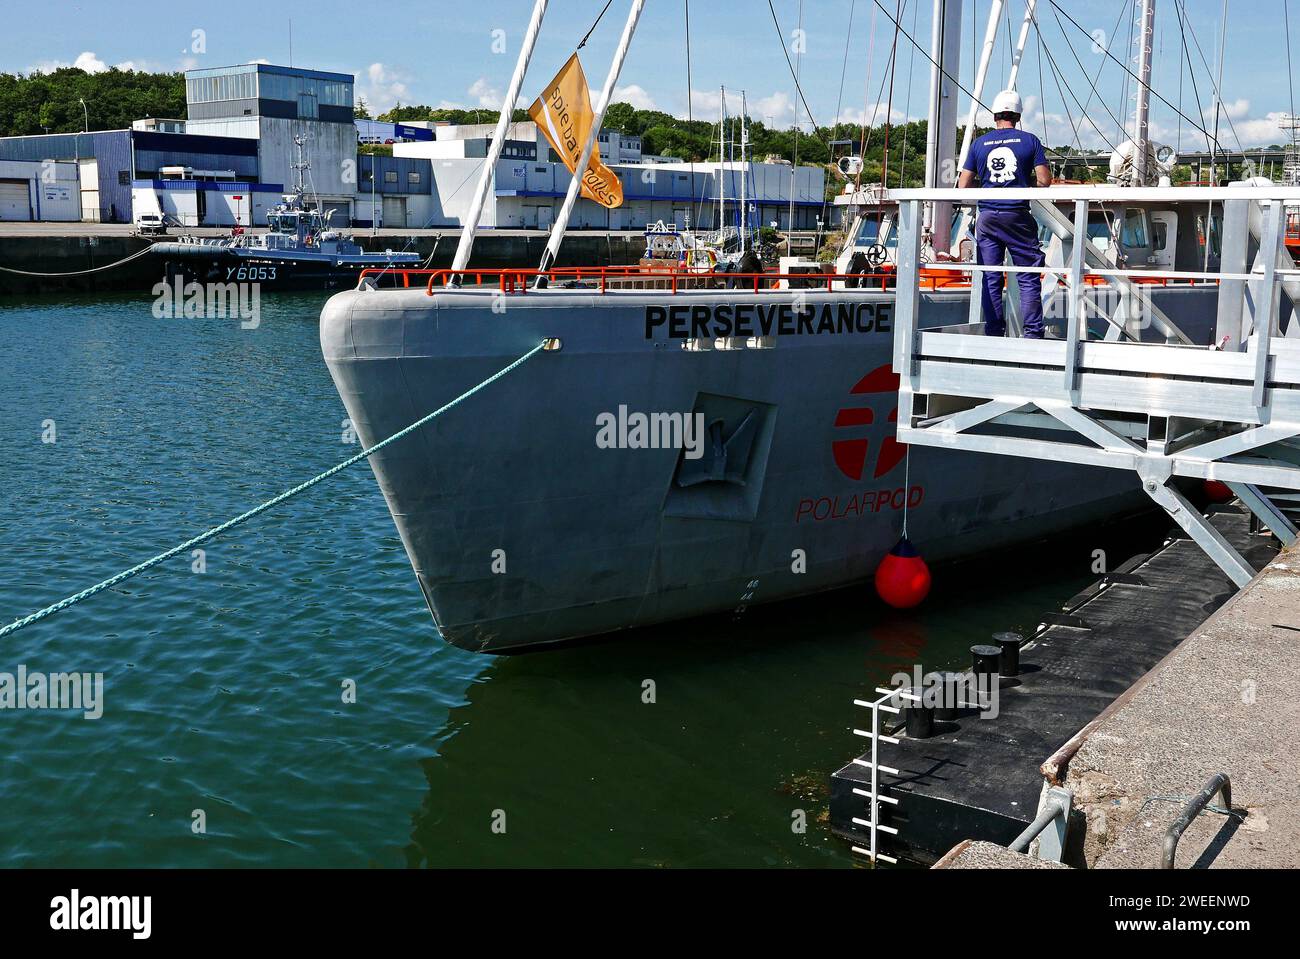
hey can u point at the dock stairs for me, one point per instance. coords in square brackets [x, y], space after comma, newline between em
[1142, 396]
[1124, 388]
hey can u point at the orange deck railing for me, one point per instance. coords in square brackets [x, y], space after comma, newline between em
[519, 280]
[514, 280]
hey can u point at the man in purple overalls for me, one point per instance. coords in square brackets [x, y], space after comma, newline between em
[1005, 157]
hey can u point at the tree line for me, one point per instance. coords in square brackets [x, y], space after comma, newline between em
[50, 102]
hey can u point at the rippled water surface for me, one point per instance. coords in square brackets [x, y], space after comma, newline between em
[223, 688]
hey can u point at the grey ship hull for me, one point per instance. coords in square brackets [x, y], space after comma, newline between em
[523, 531]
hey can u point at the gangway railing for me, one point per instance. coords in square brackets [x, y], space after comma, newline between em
[1223, 404]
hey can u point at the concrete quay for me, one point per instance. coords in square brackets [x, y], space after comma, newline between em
[1223, 701]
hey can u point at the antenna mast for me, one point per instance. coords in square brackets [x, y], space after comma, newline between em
[1142, 108]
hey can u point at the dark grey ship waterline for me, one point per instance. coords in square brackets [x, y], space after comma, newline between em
[595, 540]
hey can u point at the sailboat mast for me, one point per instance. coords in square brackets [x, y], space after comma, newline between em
[1020, 44]
[744, 176]
[722, 161]
[488, 173]
[986, 54]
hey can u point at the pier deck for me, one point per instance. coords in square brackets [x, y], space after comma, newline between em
[981, 779]
[1223, 701]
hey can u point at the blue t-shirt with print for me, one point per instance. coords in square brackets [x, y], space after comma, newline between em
[1005, 158]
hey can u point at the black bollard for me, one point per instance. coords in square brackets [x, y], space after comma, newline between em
[985, 660]
[919, 717]
[1010, 645]
[952, 686]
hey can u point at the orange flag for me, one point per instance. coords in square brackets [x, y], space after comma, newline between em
[563, 112]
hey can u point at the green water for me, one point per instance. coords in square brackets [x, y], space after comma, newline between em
[223, 688]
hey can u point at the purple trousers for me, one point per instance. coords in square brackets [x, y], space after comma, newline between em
[1016, 231]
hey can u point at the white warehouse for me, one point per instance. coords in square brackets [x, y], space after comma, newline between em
[40, 190]
[530, 186]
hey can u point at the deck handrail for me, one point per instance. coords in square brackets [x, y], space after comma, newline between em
[1099, 194]
[515, 280]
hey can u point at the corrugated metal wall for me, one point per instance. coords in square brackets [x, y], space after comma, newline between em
[402, 166]
[112, 150]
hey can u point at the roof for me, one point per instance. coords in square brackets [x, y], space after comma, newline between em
[269, 68]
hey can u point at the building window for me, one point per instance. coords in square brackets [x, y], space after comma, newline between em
[390, 176]
[413, 178]
[307, 106]
[124, 177]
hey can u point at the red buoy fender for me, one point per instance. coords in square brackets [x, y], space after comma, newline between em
[1218, 492]
[902, 578]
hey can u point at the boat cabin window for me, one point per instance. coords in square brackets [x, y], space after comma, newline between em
[1159, 234]
[1134, 234]
[1099, 230]
[1214, 234]
[869, 230]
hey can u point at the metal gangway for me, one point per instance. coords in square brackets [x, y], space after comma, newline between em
[1136, 393]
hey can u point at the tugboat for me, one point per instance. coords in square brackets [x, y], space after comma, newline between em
[299, 252]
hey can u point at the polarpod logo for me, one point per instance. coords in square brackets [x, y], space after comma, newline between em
[102, 913]
[851, 453]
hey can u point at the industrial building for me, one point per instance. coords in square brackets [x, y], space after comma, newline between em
[233, 155]
[40, 190]
[530, 184]
[271, 105]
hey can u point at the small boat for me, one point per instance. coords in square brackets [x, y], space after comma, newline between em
[300, 251]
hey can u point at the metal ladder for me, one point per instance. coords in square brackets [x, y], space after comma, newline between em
[873, 797]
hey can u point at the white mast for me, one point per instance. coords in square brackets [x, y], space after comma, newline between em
[486, 176]
[722, 161]
[1142, 110]
[1020, 44]
[570, 198]
[744, 177]
[986, 54]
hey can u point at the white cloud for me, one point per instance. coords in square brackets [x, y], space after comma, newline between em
[485, 94]
[873, 115]
[635, 95]
[382, 87]
[1255, 132]
[775, 111]
[86, 60]
[1238, 109]
[90, 63]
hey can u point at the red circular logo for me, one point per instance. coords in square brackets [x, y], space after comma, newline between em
[852, 454]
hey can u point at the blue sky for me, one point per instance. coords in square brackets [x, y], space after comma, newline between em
[440, 53]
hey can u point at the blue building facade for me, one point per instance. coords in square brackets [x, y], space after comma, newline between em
[121, 156]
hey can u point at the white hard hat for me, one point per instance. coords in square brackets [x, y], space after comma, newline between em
[1008, 101]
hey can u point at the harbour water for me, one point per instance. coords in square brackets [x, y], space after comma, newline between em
[224, 688]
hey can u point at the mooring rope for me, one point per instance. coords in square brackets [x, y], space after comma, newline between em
[99, 269]
[263, 507]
